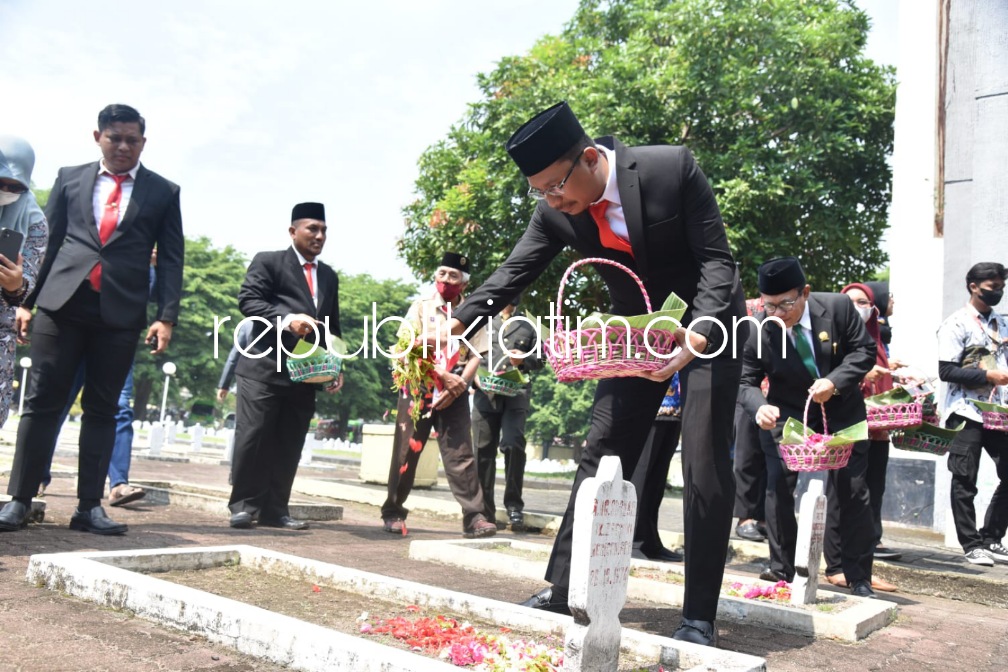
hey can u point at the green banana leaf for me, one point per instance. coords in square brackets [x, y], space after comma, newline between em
[936, 431]
[987, 407]
[672, 309]
[513, 375]
[303, 347]
[897, 395]
[794, 433]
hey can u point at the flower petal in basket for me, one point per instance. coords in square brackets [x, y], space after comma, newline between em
[795, 433]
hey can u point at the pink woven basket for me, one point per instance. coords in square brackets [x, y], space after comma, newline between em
[591, 353]
[995, 420]
[929, 410]
[895, 416]
[813, 454]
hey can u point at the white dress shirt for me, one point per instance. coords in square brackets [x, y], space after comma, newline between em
[104, 184]
[614, 212]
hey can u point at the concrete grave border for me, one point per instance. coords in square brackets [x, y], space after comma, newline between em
[116, 579]
[215, 500]
[851, 624]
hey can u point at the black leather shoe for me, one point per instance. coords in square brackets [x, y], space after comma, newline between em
[662, 555]
[548, 599]
[749, 531]
[517, 520]
[241, 520]
[883, 553]
[94, 520]
[285, 522]
[697, 632]
[862, 588]
[14, 516]
[772, 575]
[761, 528]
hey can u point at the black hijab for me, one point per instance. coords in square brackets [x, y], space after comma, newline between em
[881, 291]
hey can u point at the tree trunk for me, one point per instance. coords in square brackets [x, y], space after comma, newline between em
[141, 395]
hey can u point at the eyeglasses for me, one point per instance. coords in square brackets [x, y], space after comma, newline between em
[783, 306]
[13, 187]
[556, 189]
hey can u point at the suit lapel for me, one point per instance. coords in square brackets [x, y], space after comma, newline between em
[628, 183]
[822, 323]
[86, 203]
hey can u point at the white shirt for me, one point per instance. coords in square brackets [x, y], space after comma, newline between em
[104, 184]
[314, 275]
[806, 324]
[967, 330]
[614, 212]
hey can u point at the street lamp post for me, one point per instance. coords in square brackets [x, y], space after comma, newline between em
[25, 365]
[169, 371]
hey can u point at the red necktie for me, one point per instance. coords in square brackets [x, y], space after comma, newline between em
[109, 221]
[307, 275]
[606, 235]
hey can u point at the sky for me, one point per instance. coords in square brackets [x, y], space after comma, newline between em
[254, 106]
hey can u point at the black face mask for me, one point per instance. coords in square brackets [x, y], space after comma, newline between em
[991, 297]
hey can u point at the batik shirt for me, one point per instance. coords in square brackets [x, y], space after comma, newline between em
[969, 339]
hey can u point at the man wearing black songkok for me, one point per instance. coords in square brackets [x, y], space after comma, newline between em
[651, 209]
[273, 412]
[826, 353]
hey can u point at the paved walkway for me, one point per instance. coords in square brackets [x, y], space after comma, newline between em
[43, 630]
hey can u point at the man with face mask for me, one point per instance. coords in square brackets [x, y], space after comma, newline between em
[973, 362]
[18, 212]
[447, 411]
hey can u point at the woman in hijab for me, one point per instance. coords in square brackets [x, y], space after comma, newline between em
[18, 212]
[878, 380]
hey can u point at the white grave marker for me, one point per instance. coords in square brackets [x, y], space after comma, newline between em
[157, 437]
[604, 515]
[308, 451]
[808, 550]
[197, 438]
[229, 441]
[170, 435]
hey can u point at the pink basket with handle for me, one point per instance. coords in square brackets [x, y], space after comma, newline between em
[813, 454]
[996, 418]
[894, 416]
[610, 352]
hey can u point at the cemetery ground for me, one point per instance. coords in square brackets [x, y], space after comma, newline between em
[45, 630]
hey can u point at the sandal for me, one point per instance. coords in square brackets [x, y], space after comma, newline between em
[124, 493]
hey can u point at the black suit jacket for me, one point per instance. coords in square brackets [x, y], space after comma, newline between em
[152, 217]
[676, 234]
[844, 353]
[275, 286]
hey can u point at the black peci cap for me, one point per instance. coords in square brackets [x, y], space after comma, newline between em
[544, 138]
[781, 275]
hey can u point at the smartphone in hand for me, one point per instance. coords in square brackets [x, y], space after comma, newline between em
[10, 244]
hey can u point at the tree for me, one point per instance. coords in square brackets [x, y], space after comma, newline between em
[210, 283]
[560, 411]
[367, 390]
[791, 123]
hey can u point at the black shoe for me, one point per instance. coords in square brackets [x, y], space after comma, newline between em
[697, 632]
[662, 555]
[241, 520]
[761, 528]
[95, 520]
[862, 588]
[773, 575]
[285, 522]
[749, 531]
[883, 553]
[548, 599]
[517, 520]
[14, 516]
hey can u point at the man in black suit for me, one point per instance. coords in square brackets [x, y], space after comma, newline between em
[104, 220]
[825, 353]
[273, 412]
[656, 215]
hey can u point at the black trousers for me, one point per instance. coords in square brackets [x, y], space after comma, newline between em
[61, 341]
[271, 422]
[622, 416]
[453, 425]
[876, 460]
[850, 534]
[649, 479]
[964, 463]
[500, 423]
[750, 468]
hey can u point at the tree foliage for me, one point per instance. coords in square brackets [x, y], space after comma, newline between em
[789, 120]
[210, 283]
[560, 410]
